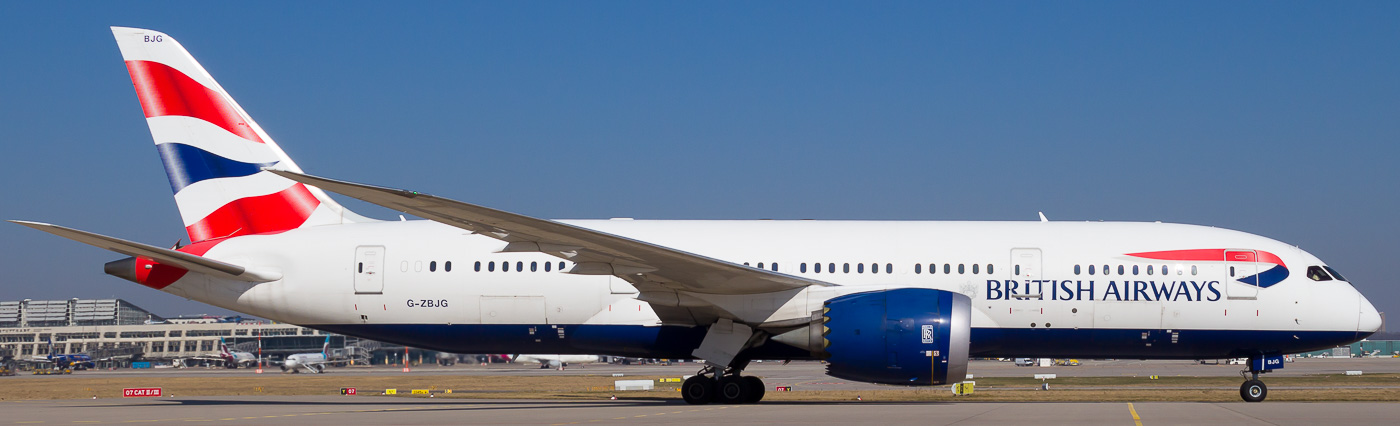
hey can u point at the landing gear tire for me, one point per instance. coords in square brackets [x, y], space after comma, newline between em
[734, 390]
[698, 390]
[1253, 391]
[756, 389]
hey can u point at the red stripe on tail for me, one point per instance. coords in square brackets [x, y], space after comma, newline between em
[279, 211]
[166, 91]
[158, 276]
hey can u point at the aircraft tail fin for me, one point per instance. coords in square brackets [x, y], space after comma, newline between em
[213, 151]
[326, 348]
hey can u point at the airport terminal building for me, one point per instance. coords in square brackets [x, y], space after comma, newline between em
[116, 331]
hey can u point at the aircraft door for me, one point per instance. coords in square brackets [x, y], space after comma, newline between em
[1242, 274]
[1027, 292]
[1025, 269]
[369, 270]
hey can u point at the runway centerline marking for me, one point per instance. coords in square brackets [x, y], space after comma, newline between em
[1136, 420]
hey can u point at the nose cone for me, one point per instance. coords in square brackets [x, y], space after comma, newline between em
[1369, 321]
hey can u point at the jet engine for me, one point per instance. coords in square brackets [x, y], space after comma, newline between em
[908, 336]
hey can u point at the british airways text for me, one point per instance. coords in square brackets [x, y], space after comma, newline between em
[1122, 291]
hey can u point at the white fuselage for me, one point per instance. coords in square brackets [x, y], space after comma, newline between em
[1022, 277]
[314, 362]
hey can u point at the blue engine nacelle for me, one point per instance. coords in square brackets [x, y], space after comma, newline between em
[909, 336]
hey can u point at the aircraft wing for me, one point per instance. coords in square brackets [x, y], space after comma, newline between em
[166, 256]
[649, 267]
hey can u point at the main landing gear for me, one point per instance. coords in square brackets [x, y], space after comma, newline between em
[725, 387]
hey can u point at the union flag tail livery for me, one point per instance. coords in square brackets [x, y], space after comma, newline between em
[894, 302]
[213, 151]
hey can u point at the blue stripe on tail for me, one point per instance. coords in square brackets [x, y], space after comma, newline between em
[185, 165]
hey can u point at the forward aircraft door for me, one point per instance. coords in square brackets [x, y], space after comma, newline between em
[369, 269]
[1242, 274]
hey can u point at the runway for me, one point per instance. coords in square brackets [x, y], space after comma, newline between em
[805, 375]
[339, 410]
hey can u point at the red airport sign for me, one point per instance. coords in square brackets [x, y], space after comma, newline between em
[347, 391]
[140, 392]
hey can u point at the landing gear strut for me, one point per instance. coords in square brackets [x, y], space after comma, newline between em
[725, 387]
[1253, 389]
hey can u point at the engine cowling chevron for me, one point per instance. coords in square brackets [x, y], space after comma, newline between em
[909, 336]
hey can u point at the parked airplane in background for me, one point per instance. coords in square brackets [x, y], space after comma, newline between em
[235, 359]
[557, 361]
[315, 362]
[57, 361]
[884, 302]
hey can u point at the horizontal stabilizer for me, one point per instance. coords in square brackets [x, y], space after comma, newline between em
[165, 256]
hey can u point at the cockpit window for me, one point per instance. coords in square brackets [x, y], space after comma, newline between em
[1316, 273]
[1334, 273]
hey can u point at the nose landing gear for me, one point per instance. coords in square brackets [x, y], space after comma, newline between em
[1253, 389]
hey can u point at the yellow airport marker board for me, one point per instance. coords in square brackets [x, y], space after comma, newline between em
[964, 388]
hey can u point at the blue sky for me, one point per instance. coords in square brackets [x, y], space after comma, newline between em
[1275, 118]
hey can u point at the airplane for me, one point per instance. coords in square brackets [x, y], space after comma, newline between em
[556, 361]
[235, 359]
[894, 302]
[230, 359]
[63, 362]
[315, 362]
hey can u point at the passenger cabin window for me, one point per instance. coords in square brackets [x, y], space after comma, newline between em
[974, 268]
[561, 266]
[775, 266]
[519, 266]
[534, 266]
[989, 268]
[432, 266]
[918, 268]
[1149, 269]
[845, 268]
[546, 266]
[1135, 269]
[961, 270]
[1076, 269]
[1017, 270]
[802, 267]
[478, 266]
[760, 265]
[361, 268]
[1316, 273]
[1091, 269]
[889, 268]
[447, 266]
[860, 268]
[1193, 269]
[831, 268]
[1120, 269]
[947, 268]
[491, 267]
